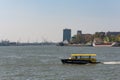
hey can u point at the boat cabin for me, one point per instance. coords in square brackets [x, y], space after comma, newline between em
[87, 57]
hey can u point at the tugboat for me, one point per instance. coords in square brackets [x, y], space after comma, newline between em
[80, 59]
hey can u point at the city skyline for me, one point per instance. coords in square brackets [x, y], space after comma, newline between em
[40, 20]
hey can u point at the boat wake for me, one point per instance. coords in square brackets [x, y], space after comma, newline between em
[112, 62]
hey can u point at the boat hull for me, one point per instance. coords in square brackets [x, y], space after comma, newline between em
[70, 61]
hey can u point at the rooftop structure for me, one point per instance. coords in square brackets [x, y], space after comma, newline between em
[79, 32]
[113, 33]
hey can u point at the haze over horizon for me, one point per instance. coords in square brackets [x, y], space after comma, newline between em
[41, 20]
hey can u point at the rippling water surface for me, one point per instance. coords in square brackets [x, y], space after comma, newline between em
[43, 63]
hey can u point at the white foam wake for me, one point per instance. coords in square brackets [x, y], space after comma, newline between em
[112, 62]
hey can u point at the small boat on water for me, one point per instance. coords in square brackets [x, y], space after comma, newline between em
[100, 43]
[103, 44]
[80, 59]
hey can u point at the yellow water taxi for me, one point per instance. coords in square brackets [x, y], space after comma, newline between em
[80, 59]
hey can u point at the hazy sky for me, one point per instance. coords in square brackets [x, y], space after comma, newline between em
[39, 20]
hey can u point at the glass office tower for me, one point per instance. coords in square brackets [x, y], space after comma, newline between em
[66, 34]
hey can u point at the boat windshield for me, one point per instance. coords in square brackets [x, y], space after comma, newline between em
[80, 57]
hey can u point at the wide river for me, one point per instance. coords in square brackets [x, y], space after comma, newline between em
[43, 63]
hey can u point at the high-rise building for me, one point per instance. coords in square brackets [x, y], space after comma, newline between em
[66, 34]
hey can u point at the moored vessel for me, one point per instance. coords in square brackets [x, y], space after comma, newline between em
[110, 44]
